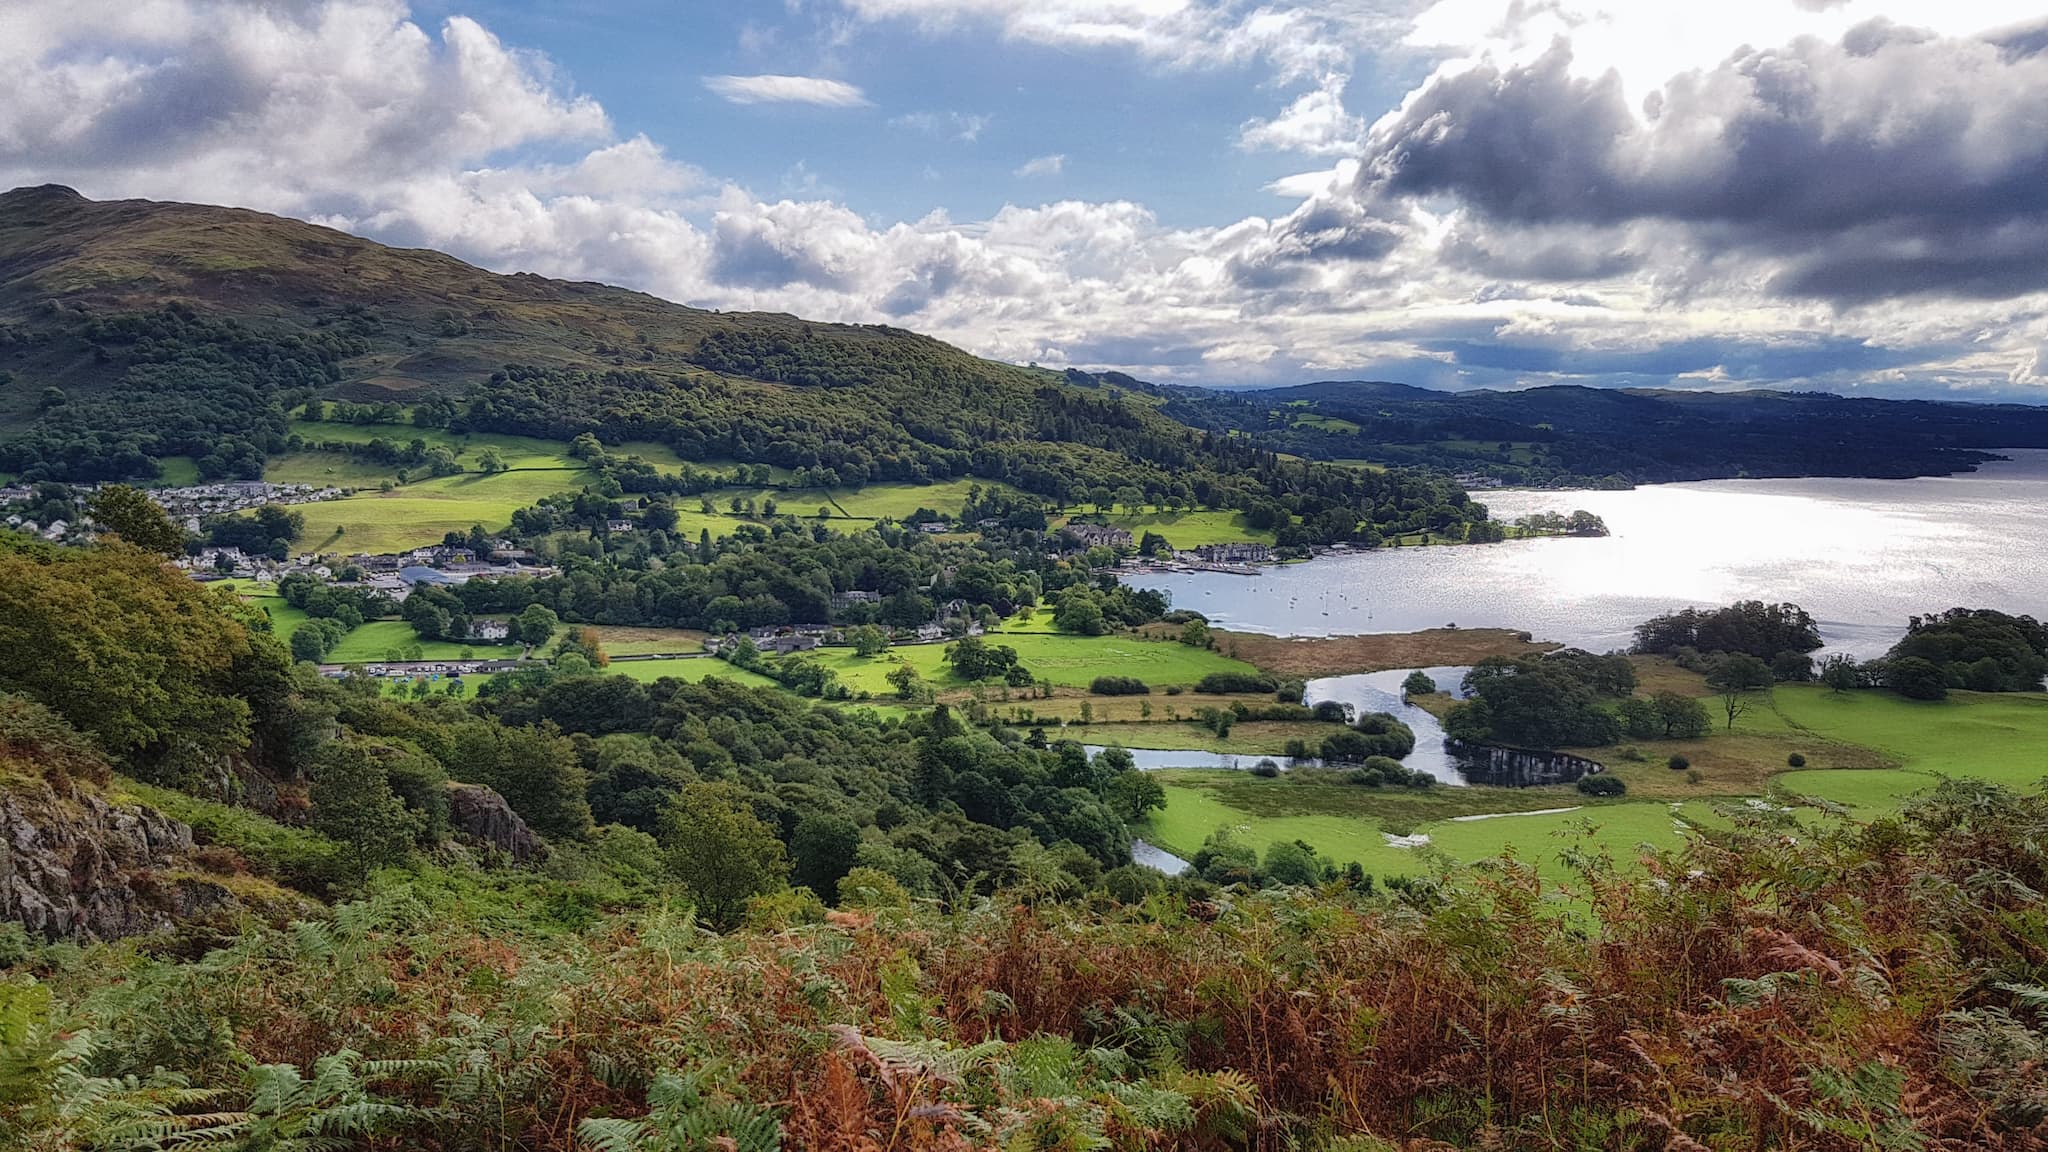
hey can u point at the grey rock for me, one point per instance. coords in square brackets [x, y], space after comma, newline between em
[482, 814]
[77, 867]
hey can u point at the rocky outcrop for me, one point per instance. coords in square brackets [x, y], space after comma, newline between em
[483, 815]
[79, 866]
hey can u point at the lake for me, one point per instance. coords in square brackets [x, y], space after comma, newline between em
[1861, 555]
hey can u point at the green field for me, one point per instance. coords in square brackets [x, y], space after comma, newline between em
[1195, 807]
[516, 451]
[1997, 737]
[1067, 661]
[369, 643]
[1326, 423]
[1186, 530]
[176, 472]
[373, 642]
[422, 513]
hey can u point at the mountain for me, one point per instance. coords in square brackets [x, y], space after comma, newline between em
[1579, 435]
[135, 331]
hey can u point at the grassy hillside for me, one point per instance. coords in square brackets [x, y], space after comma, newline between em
[381, 324]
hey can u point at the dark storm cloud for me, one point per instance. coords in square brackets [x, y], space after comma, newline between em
[1326, 230]
[1866, 166]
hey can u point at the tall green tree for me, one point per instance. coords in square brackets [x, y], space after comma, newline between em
[536, 770]
[720, 851]
[822, 849]
[354, 804]
[134, 517]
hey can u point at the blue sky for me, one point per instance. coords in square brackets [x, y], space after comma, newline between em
[950, 117]
[1840, 194]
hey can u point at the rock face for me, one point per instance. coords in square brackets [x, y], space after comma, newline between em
[482, 814]
[78, 867]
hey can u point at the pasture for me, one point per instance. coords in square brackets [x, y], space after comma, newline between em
[516, 451]
[1341, 823]
[1186, 530]
[1067, 661]
[422, 513]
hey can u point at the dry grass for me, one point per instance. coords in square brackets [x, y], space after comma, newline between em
[1656, 674]
[622, 641]
[1341, 655]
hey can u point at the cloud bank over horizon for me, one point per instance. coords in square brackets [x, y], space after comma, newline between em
[1849, 195]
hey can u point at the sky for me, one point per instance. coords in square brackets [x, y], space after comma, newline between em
[1847, 195]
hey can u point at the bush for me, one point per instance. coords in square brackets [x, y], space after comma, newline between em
[1418, 683]
[1602, 785]
[1373, 734]
[1230, 683]
[1916, 679]
[1119, 686]
[1266, 768]
[1796, 760]
[1386, 772]
[1678, 763]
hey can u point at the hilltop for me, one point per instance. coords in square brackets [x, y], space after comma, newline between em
[427, 321]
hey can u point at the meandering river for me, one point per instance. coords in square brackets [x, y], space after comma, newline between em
[1861, 555]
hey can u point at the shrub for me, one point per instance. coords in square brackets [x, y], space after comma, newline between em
[1118, 686]
[1678, 763]
[1373, 734]
[1602, 785]
[1418, 683]
[1796, 760]
[1386, 772]
[1916, 679]
[1694, 776]
[1229, 683]
[1266, 768]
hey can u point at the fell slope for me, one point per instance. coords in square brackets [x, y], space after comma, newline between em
[186, 330]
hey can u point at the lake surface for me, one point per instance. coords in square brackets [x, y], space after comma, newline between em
[1861, 555]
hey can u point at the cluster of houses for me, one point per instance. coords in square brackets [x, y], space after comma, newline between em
[192, 504]
[410, 669]
[1099, 535]
[74, 529]
[59, 529]
[395, 575]
[1233, 553]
